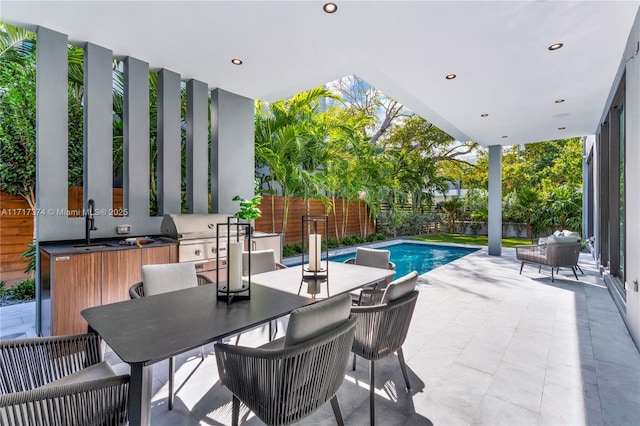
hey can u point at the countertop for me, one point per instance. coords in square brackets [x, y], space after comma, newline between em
[101, 245]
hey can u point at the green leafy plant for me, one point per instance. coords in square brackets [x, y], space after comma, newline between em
[292, 250]
[30, 255]
[249, 210]
[24, 290]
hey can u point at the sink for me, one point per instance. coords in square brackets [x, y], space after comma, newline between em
[90, 246]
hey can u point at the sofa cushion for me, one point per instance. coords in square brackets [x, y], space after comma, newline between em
[311, 321]
[552, 239]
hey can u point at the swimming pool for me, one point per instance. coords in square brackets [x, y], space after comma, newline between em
[414, 256]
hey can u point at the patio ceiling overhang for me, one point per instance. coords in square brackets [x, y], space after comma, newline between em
[497, 49]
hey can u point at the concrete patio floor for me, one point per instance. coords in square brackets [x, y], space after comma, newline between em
[486, 347]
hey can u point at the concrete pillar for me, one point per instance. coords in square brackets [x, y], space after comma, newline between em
[232, 150]
[495, 200]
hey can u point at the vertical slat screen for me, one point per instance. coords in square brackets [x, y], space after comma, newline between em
[98, 130]
[232, 150]
[169, 164]
[197, 147]
[51, 130]
[136, 137]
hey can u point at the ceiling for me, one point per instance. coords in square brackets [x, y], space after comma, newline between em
[497, 49]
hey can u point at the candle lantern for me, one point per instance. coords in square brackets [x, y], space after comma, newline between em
[315, 229]
[235, 286]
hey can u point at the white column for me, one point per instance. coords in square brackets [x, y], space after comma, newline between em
[495, 200]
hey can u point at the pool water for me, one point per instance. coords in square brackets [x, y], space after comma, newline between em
[417, 257]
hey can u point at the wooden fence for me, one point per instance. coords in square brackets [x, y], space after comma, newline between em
[17, 220]
[271, 219]
[16, 231]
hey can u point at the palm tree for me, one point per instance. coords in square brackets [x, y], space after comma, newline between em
[453, 209]
[527, 207]
[288, 143]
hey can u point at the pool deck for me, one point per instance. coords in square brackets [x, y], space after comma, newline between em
[486, 346]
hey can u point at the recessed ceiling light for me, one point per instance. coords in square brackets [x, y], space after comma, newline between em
[561, 128]
[236, 61]
[484, 115]
[556, 46]
[330, 7]
[559, 101]
[450, 76]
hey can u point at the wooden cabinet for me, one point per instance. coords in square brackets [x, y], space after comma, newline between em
[70, 283]
[158, 255]
[75, 286]
[120, 270]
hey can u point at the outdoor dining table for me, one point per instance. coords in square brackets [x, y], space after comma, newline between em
[145, 331]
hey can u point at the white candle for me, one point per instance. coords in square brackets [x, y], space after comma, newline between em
[315, 250]
[234, 265]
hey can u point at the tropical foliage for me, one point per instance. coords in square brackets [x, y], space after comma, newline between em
[18, 113]
[346, 141]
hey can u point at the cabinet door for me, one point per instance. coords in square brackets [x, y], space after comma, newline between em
[120, 270]
[76, 286]
[158, 255]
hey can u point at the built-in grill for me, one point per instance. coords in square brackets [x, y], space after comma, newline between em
[196, 236]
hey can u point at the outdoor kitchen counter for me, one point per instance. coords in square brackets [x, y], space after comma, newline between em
[74, 276]
[111, 244]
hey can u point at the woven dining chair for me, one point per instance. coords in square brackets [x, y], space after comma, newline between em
[261, 261]
[288, 379]
[164, 278]
[60, 381]
[375, 258]
[382, 327]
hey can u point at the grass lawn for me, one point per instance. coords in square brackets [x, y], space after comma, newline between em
[479, 240]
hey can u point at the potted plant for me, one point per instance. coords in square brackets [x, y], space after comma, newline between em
[249, 210]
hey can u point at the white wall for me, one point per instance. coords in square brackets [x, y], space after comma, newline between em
[632, 190]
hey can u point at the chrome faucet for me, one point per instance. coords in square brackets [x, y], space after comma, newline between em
[90, 220]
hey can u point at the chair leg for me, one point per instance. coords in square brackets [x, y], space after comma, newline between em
[336, 410]
[172, 367]
[354, 362]
[403, 367]
[552, 274]
[202, 352]
[235, 411]
[539, 268]
[574, 272]
[372, 394]
[578, 266]
[521, 266]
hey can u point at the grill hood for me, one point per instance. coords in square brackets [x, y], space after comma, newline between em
[192, 226]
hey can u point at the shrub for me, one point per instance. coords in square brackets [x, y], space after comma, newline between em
[331, 243]
[3, 288]
[378, 236]
[24, 290]
[292, 250]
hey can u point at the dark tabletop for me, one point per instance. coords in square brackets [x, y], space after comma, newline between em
[150, 329]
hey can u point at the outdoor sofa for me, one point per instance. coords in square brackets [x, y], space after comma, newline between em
[560, 250]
